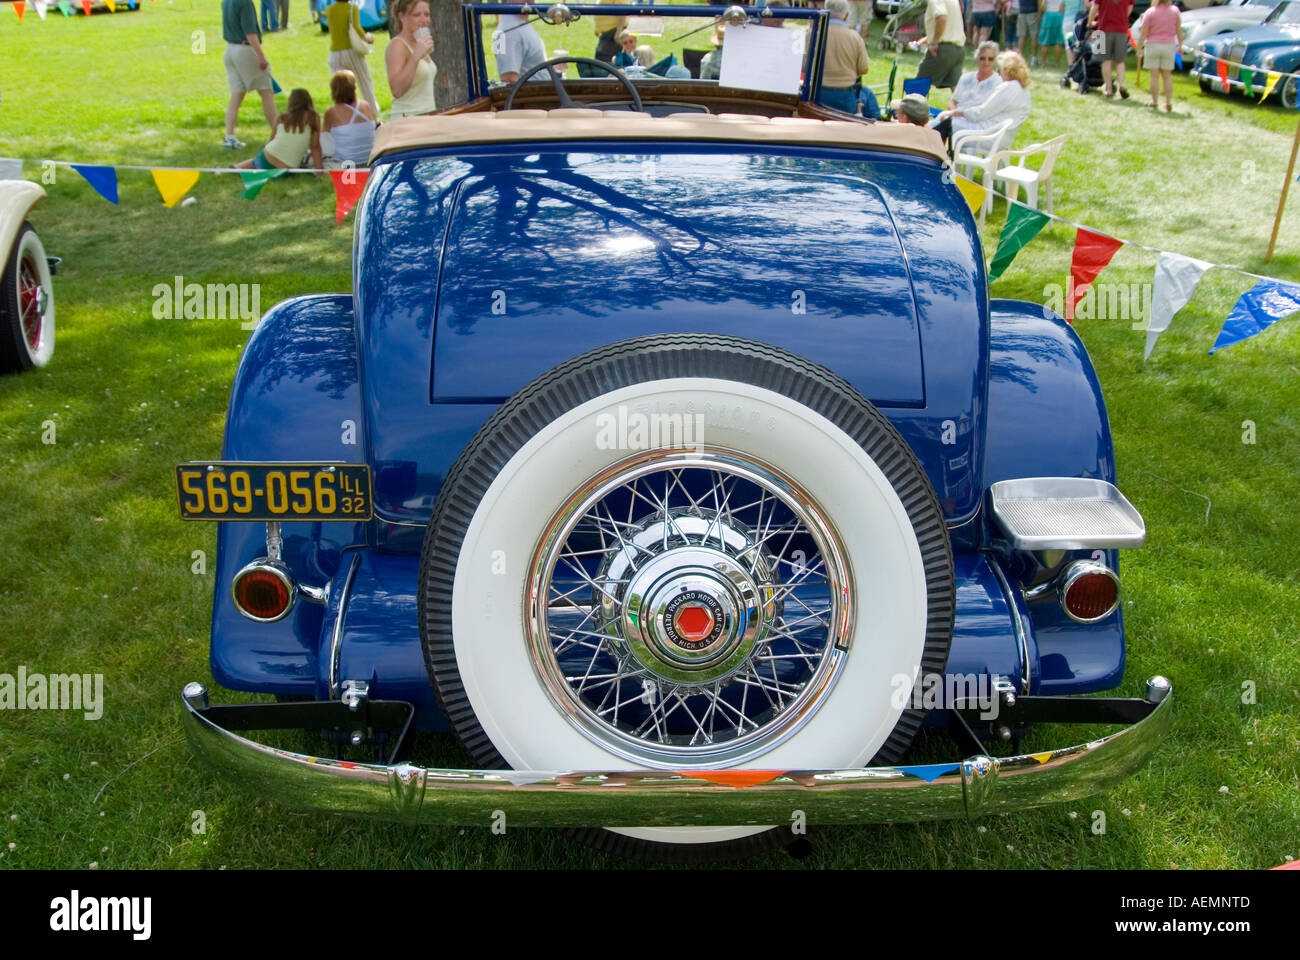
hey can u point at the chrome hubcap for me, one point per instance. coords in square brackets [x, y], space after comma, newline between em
[689, 608]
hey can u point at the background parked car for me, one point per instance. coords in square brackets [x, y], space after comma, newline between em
[1273, 45]
[1201, 24]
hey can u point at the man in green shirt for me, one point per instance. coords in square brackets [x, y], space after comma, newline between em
[246, 65]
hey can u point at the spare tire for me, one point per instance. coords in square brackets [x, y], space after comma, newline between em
[685, 552]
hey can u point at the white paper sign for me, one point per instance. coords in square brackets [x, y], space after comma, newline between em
[762, 58]
[645, 26]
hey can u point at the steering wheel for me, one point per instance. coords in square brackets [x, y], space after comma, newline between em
[561, 94]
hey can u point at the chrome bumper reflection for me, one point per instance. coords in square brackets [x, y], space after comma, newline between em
[979, 785]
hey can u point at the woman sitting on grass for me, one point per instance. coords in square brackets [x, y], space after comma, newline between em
[295, 132]
[350, 123]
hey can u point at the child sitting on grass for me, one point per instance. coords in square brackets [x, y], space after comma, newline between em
[295, 132]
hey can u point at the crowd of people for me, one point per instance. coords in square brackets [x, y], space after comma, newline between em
[345, 133]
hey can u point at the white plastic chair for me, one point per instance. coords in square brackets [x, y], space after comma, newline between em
[1019, 175]
[982, 149]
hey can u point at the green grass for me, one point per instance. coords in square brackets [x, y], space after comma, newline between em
[98, 573]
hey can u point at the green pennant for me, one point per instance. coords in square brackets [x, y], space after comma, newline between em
[1022, 226]
[255, 180]
[65, 8]
[1247, 75]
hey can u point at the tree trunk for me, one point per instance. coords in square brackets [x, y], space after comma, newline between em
[452, 83]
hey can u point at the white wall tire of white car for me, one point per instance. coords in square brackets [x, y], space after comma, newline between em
[504, 494]
[26, 305]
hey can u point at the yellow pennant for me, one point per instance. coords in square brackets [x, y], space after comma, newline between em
[112, 7]
[174, 184]
[1269, 84]
[1042, 757]
[973, 193]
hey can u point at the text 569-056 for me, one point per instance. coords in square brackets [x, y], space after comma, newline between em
[274, 491]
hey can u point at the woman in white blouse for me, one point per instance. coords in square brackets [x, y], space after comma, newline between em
[1008, 101]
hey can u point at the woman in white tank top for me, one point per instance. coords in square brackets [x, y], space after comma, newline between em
[349, 124]
[411, 72]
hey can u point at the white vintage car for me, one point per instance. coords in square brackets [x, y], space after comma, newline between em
[1209, 22]
[26, 291]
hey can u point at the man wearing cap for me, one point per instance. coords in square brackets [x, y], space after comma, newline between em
[913, 108]
[246, 65]
[946, 43]
[845, 61]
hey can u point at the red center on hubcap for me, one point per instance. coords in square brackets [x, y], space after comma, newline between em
[693, 622]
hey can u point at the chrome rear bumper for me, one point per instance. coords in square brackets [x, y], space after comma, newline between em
[971, 787]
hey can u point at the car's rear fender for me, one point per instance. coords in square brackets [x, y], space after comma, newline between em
[295, 397]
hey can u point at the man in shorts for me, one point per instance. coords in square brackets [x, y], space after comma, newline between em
[946, 43]
[860, 16]
[246, 66]
[1111, 18]
[1027, 30]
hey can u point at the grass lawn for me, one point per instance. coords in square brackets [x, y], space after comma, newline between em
[99, 578]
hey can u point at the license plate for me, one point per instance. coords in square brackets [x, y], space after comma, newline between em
[274, 491]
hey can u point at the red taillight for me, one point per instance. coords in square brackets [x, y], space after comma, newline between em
[262, 592]
[1090, 592]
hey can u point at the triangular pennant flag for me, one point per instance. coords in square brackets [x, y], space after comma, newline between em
[1269, 84]
[1222, 67]
[1176, 280]
[275, 87]
[65, 8]
[174, 184]
[10, 169]
[1092, 251]
[112, 7]
[41, 6]
[19, 7]
[103, 179]
[929, 772]
[973, 192]
[1247, 78]
[1022, 226]
[1258, 308]
[255, 180]
[85, 7]
[348, 185]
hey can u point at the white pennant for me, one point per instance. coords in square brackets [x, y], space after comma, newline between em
[40, 7]
[1176, 280]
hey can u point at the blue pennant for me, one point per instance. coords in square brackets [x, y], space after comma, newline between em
[103, 179]
[930, 772]
[1257, 309]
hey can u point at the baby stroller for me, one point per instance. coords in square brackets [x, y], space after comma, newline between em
[904, 26]
[1086, 47]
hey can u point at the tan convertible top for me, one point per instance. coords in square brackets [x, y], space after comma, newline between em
[587, 124]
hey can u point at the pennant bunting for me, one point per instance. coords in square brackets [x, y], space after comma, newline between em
[1176, 280]
[85, 7]
[255, 180]
[19, 7]
[65, 8]
[131, 4]
[1223, 73]
[41, 6]
[1092, 251]
[348, 185]
[1257, 309]
[112, 7]
[1022, 226]
[10, 169]
[174, 184]
[103, 179]
[973, 192]
[1269, 84]
[1247, 78]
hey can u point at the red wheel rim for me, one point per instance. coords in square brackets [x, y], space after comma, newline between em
[31, 302]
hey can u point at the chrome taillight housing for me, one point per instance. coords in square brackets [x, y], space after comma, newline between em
[1089, 591]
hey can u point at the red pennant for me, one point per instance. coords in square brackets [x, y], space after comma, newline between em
[1223, 72]
[85, 7]
[348, 185]
[19, 7]
[1092, 252]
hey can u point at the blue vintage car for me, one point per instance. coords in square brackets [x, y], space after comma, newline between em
[1274, 46]
[670, 451]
